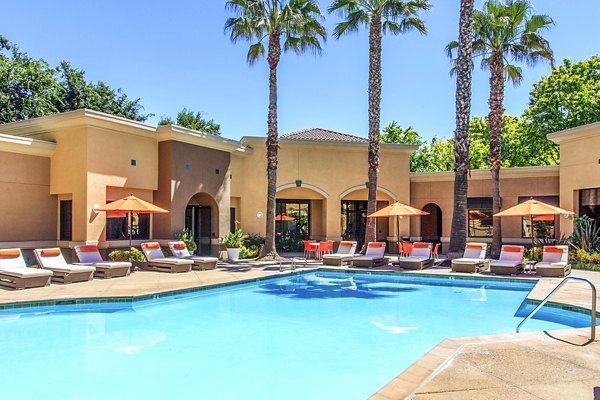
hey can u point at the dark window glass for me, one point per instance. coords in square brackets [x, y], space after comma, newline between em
[480, 222]
[117, 229]
[589, 204]
[292, 224]
[232, 219]
[66, 220]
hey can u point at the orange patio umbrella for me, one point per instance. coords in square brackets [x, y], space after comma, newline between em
[284, 217]
[129, 205]
[398, 210]
[533, 208]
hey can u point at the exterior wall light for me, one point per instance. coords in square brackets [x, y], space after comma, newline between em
[259, 215]
[298, 183]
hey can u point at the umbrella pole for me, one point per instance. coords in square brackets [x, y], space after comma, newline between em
[532, 240]
[129, 227]
[398, 234]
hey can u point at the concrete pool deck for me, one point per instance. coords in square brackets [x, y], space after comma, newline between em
[533, 365]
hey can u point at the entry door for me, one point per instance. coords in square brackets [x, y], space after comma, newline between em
[198, 221]
[354, 217]
[66, 220]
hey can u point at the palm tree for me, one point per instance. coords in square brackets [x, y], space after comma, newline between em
[463, 70]
[380, 16]
[505, 32]
[268, 23]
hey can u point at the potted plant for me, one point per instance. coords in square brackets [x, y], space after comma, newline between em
[186, 237]
[232, 242]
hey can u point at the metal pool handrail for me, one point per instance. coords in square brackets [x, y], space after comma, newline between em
[561, 284]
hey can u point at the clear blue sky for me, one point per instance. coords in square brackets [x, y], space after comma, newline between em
[174, 54]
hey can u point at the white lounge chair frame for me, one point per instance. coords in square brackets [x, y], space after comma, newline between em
[343, 256]
[90, 255]
[53, 260]
[373, 257]
[510, 261]
[554, 264]
[200, 263]
[472, 260]
[158, 262]
[15, 274]
[419, 258]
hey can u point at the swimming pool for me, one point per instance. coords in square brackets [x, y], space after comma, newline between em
[308, 336]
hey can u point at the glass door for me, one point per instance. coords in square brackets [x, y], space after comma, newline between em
[354, 221]
[292, 224]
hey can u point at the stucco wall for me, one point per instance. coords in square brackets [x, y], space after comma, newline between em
[439, 189]
[186, 170]
[29, 212]
[329, 172]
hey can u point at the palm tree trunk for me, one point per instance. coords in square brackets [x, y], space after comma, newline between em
[375, 35]
[273, 58]
[458, 234]
[496, 127]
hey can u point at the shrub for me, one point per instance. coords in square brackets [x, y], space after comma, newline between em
[187, 237]
[234, 240]
[127, 255]
[586, 235]
[535, 255]
[249, 251]
[254, 239]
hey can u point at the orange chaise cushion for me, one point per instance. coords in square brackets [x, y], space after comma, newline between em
[513, 249]
[552, 249]
[346, 244]
[88, 249]
[51, 253]
[179, 246]
[420, 245]
[376, 245]
[153, 245]
[10, 253]
[475, 246]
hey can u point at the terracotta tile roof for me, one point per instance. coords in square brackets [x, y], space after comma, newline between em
[324, 135]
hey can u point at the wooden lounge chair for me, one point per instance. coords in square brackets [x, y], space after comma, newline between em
[15, 274]
[89, 255]
[555, 262]
[510, 262]
[180, 250]
[53, 260]
[158, 262]
[373, 257]
[419, 258]
[344, 255]
[472, 260]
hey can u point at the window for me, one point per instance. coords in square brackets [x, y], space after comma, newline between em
[66, 220]
[589, 204]
[292, 224]
[544, 225]
[480, 214]
[117, 229]
[232, 225]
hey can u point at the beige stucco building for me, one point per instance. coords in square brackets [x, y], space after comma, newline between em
[56, 170]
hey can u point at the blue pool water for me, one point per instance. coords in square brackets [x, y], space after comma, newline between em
[309, 336]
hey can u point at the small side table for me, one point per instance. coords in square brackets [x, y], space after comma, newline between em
[529, 266]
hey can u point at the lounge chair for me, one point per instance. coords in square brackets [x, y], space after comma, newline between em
[555, 262]
[89, 255]
[419, 258]
[373, 257]
[158, 262]
[344, 255]
[510, 262]
[53, 260]
[179, 250]
[472, 260]
[15, 274]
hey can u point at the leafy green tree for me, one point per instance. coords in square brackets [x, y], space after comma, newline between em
[505, 32]
[567, 98]
[28, 87]
[393, 133]
[380, 16]
[79, 93]
[298, 24]
[191, 120]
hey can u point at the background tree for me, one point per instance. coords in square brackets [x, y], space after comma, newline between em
[463, 70]
[567, 98]
[505, 32]
[296, 23]
[191, 120]
[30, 88]
[380, 16]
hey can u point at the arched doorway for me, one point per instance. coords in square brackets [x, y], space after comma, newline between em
[202, 219]
[431, 225]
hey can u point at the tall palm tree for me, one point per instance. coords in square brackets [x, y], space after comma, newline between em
[463, 70]
[503, 33]
[277, 25]
[380, 16]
